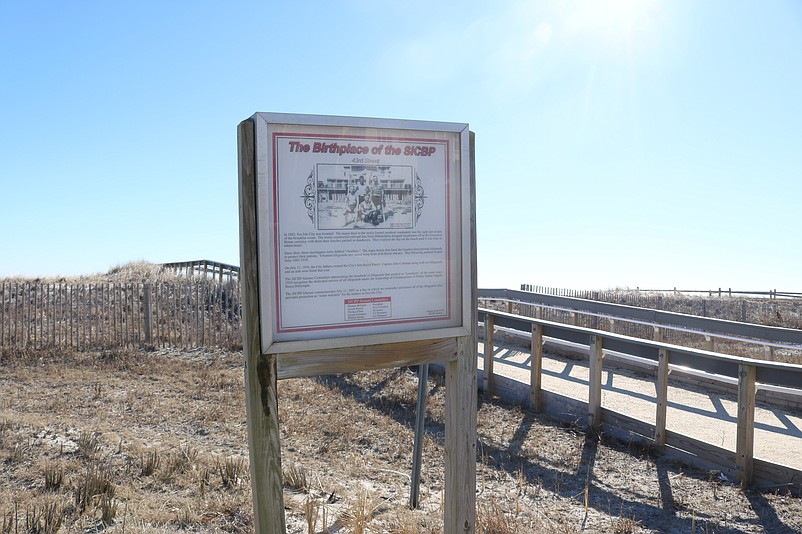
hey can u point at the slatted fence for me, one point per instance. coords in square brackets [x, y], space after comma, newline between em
[769, 308]
[101, 316]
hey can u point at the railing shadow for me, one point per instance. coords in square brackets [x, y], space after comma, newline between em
[567, 483]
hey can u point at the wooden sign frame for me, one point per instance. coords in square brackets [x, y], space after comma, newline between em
[269, 357]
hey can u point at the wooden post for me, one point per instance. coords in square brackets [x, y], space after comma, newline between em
[745, 438]
[459, 514]
[489, 351]
[536, 368]
[460, 461]
[662, 398]
[594, 383]
[768, 353]
[659, 334]
[710, 343]
[260, 370]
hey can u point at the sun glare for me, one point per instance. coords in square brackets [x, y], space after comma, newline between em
[616, 19]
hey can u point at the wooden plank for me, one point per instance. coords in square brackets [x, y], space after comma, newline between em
[26, 319]
[155, 303]
[100, 319]
[662, 398]
[261, 372]
[8, 315]
[5, 322]
[355, 359]
[34, 312]
[745, 437]
[62, 331]
[91, 318]
[175, 326]
[136, 309]
[489, 352]
[708, 453]
[80, 318]
[68, 319]
[238, 309]
[180, 299]
[595, 383]
[147, 305]
[196, 313]
[48, 318]
[775, 476]
[201, 312]
[126, 318]
[536, 368]
[2, 314]
[15, 313]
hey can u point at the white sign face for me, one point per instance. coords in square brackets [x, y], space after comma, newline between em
[360, 226]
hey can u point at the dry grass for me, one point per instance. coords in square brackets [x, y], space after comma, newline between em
[132, 272]
[161, 446]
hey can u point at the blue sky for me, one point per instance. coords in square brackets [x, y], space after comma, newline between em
[619, 143]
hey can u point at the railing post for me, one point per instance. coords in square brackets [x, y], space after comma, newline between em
[659, 334]
[594, 383]
[710, 343]
[535, 368]
[768, 353]
[745, 439]
[662, 398]
[490, 327]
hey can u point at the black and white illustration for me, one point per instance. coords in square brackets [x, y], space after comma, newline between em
[365, 196]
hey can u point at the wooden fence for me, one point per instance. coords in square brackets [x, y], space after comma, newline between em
[101, 316]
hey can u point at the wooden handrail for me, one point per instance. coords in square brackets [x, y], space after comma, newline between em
[747, 371]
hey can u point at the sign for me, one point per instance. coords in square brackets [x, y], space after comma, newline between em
[357, 243]
[362, 224]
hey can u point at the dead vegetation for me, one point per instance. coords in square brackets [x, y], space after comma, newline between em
[156, 442]
[134, 272]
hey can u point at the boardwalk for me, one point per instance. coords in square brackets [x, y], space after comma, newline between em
[692, 411]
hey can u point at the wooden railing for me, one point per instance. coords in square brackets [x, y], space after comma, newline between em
[610, 294]
[204, 268]
[748, 373]
[658, 324]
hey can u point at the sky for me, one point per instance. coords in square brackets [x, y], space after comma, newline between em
[619, 143]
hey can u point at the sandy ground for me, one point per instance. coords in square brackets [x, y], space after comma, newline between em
[707, 416]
